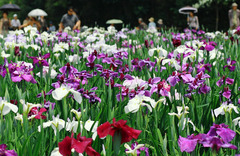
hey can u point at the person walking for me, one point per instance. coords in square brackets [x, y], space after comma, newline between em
[193, 21]
[233, 15]
[5, 24]
[69, 20]
[15, 22]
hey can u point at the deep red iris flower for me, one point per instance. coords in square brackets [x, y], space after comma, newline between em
[176, 42]
[80, 145]
[127, 133]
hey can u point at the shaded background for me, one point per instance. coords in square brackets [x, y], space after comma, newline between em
[97, 12]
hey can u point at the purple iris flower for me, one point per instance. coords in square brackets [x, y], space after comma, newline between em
[216, 143]
[223, 131]
[174, 79]
[187, 78]
[82, 77]
[113, 63]
[106, 74]
[22, 73]
[187, 145]
[90, 95]
[220, 81]
[154, 80]
[217, 137]
[90, 63]
[230, 64]
[5, 152]
[162, 88]
[41, 60]
[3, 71]
[227, 92]
[202, 67]
[121, 55]
[68, 69]
[204, 89]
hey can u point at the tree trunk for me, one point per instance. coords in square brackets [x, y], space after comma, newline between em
[217, 16]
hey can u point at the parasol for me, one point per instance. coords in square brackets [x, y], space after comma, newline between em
[10, 7]
[114, 21]
[37, 12]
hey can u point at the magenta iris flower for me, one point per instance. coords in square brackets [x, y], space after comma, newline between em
[68, 69]
[230, 64]
[202, 67]
[5, 152]
[186, 144]
[22, 73]
[219, 136]
[40, 60]
[209, 47]
[3, 71]
[90, 63]
[227, 92]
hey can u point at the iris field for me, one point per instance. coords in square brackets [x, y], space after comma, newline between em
[128, 92]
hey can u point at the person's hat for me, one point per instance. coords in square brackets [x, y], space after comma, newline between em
[160, 21]
[15, 15]
[151, 19]
[234, 5]
[50, 22]
[140, 19]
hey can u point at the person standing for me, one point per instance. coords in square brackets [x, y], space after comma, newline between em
[69, 20]
[151, 23]
[5, 24]
[26, 20]
[51, 27]
[15, 22]
[33, 22]
[43, 24]
[142, 25]
[233, 15]
[160, 24]
[193, 21]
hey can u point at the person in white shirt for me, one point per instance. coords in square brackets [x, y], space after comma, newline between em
[15, 22]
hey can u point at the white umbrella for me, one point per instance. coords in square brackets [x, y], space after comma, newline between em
[187, 10]
[37, 12]
[114, 21]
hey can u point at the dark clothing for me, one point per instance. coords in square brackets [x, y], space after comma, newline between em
[5, 26]
[69, 20]
[160, 26]
[43, 24]
[142, 26]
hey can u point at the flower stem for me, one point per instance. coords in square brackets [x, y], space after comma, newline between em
[117, 142]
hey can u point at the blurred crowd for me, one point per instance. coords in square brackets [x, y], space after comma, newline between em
[71, 20]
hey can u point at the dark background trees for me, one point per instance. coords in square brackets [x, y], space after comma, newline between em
[212, 15]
